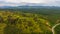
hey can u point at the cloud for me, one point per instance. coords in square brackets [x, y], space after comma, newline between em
[31, 1]
[18, 2]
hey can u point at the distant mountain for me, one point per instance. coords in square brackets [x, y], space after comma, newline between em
[3, 7]
[29, 6]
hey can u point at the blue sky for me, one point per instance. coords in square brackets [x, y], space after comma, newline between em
[18, 2]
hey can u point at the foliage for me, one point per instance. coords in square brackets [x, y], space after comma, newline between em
[23, 23]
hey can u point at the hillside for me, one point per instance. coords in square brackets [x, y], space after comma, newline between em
[23, 23]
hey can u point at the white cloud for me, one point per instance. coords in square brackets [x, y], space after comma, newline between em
[48, 2]
[28, 1]
[8, 5]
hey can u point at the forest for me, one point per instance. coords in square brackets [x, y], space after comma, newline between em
[28, 21]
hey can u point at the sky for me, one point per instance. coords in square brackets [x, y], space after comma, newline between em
[20, 2]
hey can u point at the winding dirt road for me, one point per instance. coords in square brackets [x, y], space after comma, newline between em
[54, 27]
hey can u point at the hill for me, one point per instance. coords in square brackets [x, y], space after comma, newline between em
[23, 23]
[29, 20]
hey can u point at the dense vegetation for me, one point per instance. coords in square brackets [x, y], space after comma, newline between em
[23, 23]
[28, 21]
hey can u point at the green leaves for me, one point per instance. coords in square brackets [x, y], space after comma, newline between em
[24, 23]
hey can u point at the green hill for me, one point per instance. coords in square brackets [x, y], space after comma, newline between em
[24, 23]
